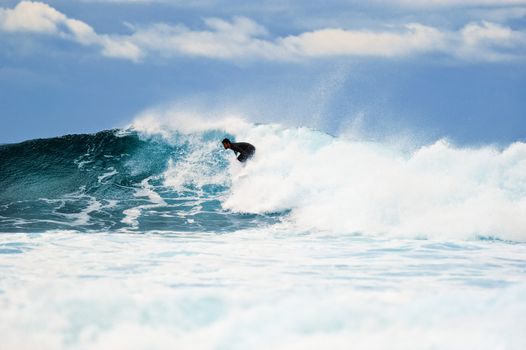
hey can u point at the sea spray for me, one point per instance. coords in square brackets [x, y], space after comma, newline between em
[337, 184]
[173, 174]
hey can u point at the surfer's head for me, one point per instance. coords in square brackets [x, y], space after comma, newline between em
[226, 143]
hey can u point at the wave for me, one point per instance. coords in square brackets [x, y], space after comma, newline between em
[171, 174]
[117, 180]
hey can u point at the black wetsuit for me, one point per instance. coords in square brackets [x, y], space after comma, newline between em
[245, 150]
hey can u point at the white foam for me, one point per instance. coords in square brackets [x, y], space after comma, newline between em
[196, 169]
[351, 186]
[111, 171]
[81, 161]
[341, 185]
[146, 190]
[258, 290]
[83, 217]
[131, 215]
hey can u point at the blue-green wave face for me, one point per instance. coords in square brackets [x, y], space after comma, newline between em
[116, 180]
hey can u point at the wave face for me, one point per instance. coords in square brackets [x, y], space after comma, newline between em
[117, 180]
[176, 177]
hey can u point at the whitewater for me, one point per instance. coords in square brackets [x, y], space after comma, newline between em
[155, 237]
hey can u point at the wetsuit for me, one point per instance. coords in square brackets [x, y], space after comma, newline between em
[245, 150]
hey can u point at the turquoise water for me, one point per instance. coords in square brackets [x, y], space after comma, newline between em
[156, 238]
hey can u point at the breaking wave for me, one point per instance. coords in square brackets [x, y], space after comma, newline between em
[173, 175]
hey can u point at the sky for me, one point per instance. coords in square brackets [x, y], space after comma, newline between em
[431, 69]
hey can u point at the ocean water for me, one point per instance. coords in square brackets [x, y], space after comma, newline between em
[154, 237]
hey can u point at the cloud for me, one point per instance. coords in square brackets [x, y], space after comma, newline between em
[238, 39]
[491, 41]
[37, 17]
[412, 39]
[31, 17]
[243, 39]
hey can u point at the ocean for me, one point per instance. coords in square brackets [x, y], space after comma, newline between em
[155, 237]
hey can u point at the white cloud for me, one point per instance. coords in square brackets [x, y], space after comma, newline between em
[120, 47]
[245, 39]
[338, 42]
[31, 17]
[242, 38]
[491, 41]
[37, 17]
[237, 39]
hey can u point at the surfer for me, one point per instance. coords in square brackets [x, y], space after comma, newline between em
[245, 149]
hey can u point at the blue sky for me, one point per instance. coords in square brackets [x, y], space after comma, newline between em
[429, 68]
